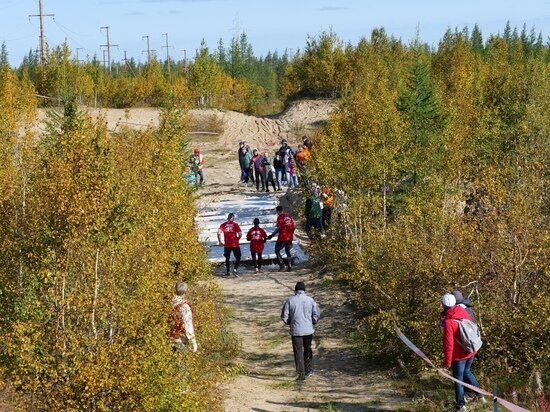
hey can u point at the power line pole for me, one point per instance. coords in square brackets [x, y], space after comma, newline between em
[149, 51]
[184, 51]
[78, 61]
[104, 59]
[108, 46]
[41, 37]
[125, 60]
[167, 52]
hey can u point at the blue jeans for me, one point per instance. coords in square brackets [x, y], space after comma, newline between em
[461, 371]
[279, 177]
[199, 177]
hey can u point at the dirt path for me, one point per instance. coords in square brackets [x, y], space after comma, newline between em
[342, 381]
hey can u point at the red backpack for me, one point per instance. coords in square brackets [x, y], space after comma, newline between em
[175, 320]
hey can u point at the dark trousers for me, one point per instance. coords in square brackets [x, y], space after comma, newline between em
[327, 215]
[303, 355]
[287, 246]
[257, 259]
[268, 178]
[227, 255]
[259, 179]
[314, 222]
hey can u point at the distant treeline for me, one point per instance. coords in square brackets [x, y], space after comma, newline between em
[231, 76]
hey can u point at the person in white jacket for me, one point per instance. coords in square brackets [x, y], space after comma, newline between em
[301, 312]
[182, 330]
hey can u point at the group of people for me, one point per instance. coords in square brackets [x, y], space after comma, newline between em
[232, 233]
[300, 312]
[283, 168]
[318, 209]
[457, 356]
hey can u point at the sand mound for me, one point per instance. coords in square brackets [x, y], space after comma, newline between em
[299, 118]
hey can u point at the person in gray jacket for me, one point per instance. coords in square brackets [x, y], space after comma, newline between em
[301, 312]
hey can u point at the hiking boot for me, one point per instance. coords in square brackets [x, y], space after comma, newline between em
[235, 273]
[227, 274]
[461, 408]
[301, 377]
[309, 374]
[281, 267]
[288, 268]
[474, 397]
[256, 270]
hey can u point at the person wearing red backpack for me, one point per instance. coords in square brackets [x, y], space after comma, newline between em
[257, 237]
[182, 330]
[456, 357]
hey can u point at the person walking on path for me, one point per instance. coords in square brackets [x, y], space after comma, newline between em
[328, 203]
[231, 234]
[257, 237]
[285, 230]
[245, 167]
[279, 170]
[250, 164]
[182, 330]
[455, 356]
[198, 164]
[301, 313]
[240, 156]
[257, 159]
[313, 212]
[268, 173]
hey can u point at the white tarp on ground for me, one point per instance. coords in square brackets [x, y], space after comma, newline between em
[245, 207]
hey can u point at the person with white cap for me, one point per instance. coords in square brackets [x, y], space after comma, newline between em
[456, 357]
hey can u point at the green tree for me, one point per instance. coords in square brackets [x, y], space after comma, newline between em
[419, 104]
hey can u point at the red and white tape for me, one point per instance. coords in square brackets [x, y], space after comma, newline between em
[508, 405]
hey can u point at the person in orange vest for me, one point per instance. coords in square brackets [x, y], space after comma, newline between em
[182, 330]
[328, 203]
[302, 156]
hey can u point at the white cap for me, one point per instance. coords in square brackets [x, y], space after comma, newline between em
[448, 300]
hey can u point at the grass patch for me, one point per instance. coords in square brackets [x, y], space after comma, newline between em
[269, 321]
[275, 342]
[284, 385]
[329, 408]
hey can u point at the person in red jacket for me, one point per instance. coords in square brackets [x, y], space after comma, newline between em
[257, 237]
[231, 234]
[455, 356]
[285, 229]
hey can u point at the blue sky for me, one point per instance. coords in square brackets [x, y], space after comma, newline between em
[269, 25]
